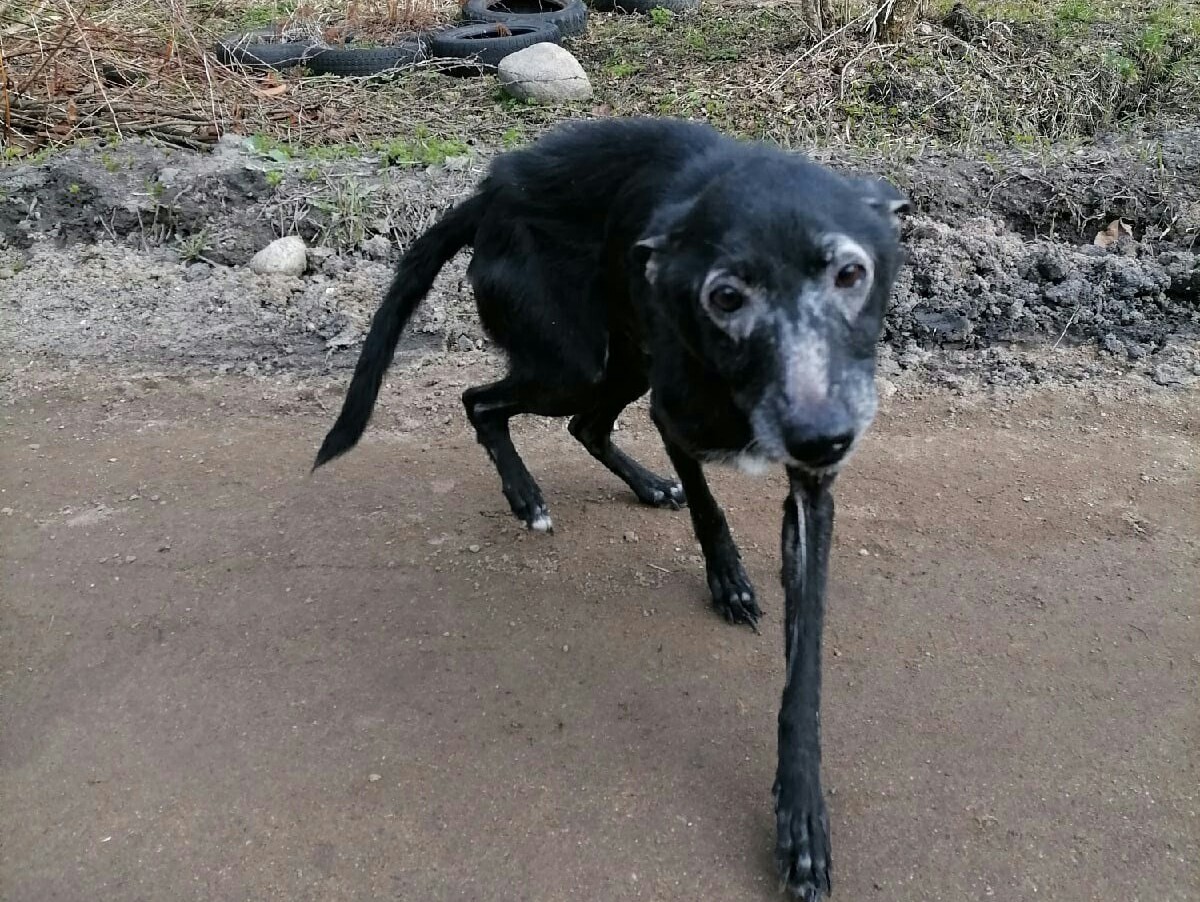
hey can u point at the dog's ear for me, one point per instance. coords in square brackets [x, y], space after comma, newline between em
[885, 197]
[643, 255]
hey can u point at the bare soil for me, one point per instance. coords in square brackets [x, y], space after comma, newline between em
[224, 679]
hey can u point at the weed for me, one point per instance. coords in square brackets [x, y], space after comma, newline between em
[660, 17]
[422, 148]
[274, 177]
[260, 15]
[1079, 12]
[192, 247]
[268, 147]
[513, 137]
[624, 68]
[348, 211]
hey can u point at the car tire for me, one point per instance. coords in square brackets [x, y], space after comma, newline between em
[355, 62]
[570, 16]
[484, 44]
[262, 49]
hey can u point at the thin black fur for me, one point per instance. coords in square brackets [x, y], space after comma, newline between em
[745, 288]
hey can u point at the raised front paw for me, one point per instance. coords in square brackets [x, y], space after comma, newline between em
[659, 492]
[732, 593]
[802, 844]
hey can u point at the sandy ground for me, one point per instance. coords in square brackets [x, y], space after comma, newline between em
[226, 680]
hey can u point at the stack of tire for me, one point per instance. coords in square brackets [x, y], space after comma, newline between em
[493, 29]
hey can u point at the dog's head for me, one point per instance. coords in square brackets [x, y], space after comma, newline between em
[776, 275]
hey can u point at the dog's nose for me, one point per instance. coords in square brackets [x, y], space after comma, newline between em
[819, 449]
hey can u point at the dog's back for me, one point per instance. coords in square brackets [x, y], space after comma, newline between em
[576, 170]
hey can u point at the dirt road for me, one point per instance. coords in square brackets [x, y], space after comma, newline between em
[224, 679]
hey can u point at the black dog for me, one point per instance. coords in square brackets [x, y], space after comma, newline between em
[745, 287]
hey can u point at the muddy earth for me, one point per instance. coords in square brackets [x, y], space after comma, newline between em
[225, 678]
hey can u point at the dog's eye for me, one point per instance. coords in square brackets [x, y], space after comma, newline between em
[727, 298]
[850, 276]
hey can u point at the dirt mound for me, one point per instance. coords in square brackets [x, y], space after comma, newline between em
[1151, 182]
[976, 284]
[990, 263]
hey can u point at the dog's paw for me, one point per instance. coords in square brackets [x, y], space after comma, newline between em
[802, 845]
[660, 492]
[528, 507]
[732, 593]
[539, 520]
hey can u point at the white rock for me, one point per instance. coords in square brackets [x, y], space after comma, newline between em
[286, 256]
[544, 73]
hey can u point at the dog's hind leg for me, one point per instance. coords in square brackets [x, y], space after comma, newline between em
[489, 408]
[732, 592]
[594, 429]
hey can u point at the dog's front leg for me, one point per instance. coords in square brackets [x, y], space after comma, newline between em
[732, 593]
[802, 848]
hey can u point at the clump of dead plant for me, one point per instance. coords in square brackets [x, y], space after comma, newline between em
[71, 69]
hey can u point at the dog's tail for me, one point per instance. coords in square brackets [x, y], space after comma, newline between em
[414, 277]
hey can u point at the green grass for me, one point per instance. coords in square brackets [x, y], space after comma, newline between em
[422, 148]
[513, 138]
[1080, 12]
[261, 15]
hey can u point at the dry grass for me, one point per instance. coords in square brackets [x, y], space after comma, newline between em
[71, 69]
[1054, 70]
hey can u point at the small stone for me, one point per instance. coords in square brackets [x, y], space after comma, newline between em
[197, 271]
[283, 256]
[885, 387]
[631, 537]
[1165, 374]
[566, 648]
[1113, 345]
[464, 344]
[130, 558]
[474, 549]
[863, 552]
[377, 247]
[375, 778]
[544, 73]
[457, 163]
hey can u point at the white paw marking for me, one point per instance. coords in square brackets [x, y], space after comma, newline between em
[541, 523]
